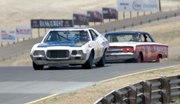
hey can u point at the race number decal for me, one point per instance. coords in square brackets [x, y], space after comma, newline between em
[98, 49]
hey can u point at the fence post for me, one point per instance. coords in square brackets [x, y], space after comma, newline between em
[138, 14]
[124, 15]
[132, 95]
[144, 13]
[105, 101]
[141, 22]
[45, 30]
[106, 31]
[165, 90]
[124, 27]
[147, 87]
[130, 14]
[38, 33]
[118, 97]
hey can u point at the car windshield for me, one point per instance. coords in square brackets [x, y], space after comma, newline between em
[123, 37]
[67, 36]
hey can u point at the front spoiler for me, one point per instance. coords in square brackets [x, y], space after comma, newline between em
[55, 62]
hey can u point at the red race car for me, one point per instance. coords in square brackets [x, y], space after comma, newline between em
[136, 46]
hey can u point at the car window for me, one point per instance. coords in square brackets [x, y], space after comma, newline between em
[146, 38]
[129, 37]
[93, 34]
[67, 36]
[123, 37]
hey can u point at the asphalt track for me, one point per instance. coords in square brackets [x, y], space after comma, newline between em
[19, 85]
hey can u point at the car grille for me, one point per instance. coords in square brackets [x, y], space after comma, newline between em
[57, 54]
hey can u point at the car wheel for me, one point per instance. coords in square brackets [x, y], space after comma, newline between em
[52, 67]
[89, 62]
[37, 67]
[101, 62]
[157, 59]
[139, 58]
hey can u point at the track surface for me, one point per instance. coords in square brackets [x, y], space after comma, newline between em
[20, 85]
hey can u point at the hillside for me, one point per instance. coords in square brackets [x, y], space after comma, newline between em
[15, 12]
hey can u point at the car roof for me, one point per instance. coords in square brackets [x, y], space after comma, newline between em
[71, 28]
[127, 31]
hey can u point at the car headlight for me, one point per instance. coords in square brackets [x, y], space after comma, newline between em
[75, 52]
[39, 53]
[80, 52]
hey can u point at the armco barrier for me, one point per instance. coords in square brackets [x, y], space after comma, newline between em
[161, 91]
[122, 24]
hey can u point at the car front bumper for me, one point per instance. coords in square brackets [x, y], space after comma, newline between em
[76, 60]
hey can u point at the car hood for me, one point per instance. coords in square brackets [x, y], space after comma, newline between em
[53, 44]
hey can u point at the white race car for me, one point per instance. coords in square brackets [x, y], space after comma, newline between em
[72, 46]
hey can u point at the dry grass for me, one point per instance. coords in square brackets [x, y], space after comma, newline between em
[22, 11]
[21, 60]
[167, 32]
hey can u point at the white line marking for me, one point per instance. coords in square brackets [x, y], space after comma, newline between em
[47, 97]
[44, 98]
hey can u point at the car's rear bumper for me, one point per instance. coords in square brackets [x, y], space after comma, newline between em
[120, 57]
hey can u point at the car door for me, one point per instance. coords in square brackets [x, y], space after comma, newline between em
[150, 48]
[95, 38]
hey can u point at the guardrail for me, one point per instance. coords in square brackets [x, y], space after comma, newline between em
[122, 24]
[162, 90]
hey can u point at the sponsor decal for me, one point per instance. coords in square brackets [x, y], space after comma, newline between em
[52, 44]
[51, 23]
[23, 31]
[94, 16]
[110, 13]
[80, 19]
[8, 35]
[137, 5]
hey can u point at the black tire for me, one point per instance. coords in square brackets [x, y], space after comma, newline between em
[52, 67]
[158, 59]
[139, 58]
[101, 62]
[37, 67]
[89, 62]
